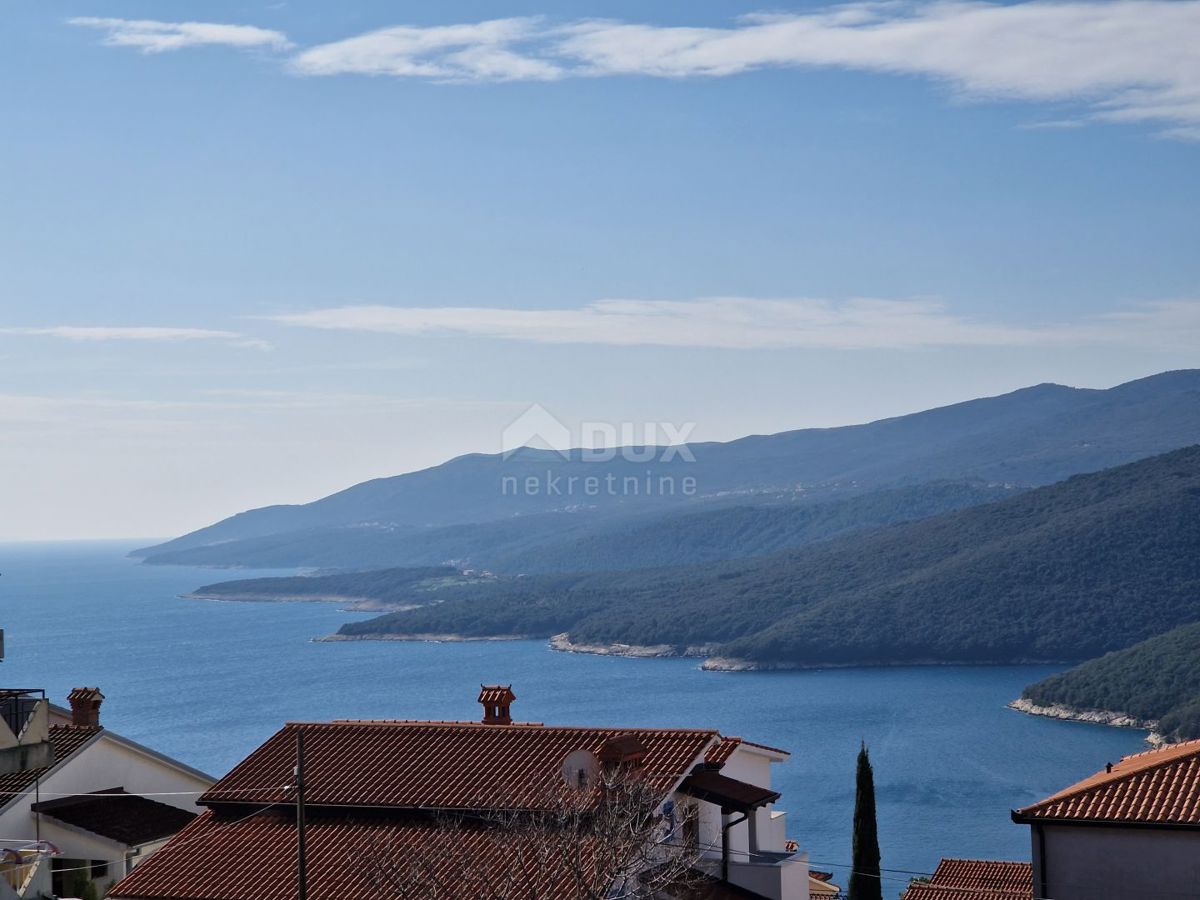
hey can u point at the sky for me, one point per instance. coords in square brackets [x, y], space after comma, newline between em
[255, 252]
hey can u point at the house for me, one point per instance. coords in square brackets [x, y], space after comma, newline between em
[492, 808]
[975, 879]
[83, 799]
[1130, 830]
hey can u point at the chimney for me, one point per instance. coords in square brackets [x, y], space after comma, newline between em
[496, 700]
[625, 753]
[85, 706]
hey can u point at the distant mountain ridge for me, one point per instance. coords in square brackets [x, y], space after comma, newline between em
[1030, 437]
[1060, 573]
[561, 542]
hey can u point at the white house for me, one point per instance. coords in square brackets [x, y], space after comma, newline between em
[86, 800]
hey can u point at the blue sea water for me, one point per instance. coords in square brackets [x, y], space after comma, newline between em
[207, 682]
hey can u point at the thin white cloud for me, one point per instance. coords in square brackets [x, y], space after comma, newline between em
[138, 333]
[750, 323]
[482, 51]
[150, 36]
[1128, 60]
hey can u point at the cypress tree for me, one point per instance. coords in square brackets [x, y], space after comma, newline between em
[864, 879]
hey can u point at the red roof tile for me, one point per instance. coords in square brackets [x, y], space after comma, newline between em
[421, 765]
[67, 740]
[1160, 787]
[975, 879]
[348, 856]
[720, 754]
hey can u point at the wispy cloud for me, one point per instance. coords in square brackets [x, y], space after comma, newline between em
[138, 333]
[483, 51]
[150, 36]
[1127, 60]
[751, 323]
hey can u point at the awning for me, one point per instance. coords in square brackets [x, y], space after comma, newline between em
[728, 793]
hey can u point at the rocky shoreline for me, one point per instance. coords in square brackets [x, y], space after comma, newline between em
[563, 643]
[1092, 716]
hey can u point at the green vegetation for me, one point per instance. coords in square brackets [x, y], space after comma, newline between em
[395, 586]
[579, 542]
[1157, 679]
[1066, 572]
[865, 880]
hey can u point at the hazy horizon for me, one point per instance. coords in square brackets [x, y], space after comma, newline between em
[289, 247]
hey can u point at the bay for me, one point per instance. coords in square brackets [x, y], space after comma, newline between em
[207, 682]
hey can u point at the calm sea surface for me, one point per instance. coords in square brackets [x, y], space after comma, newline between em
[207, 682]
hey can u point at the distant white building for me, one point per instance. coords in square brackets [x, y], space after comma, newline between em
[78, 798]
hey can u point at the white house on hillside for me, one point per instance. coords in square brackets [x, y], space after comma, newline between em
[81, 799]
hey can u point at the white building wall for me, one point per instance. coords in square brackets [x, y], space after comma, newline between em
[106, 763]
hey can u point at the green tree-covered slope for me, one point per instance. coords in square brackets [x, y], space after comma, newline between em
[1065, 572]
[1157, 679]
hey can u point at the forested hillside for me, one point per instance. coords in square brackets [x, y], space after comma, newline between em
[1157, 679]
[1066, 572]
[569, 542]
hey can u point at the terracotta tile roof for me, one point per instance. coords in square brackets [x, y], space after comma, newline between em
[975, 879]
[720, 754]
[118, 815]
[1159, 787]
[67, 740]
[422, 765]
[349, 855]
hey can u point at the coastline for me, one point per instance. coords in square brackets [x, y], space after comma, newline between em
[1090, 716]
[432, 638]
[563, 643]
[353, 604]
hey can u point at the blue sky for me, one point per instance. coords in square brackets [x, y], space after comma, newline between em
[256, 252]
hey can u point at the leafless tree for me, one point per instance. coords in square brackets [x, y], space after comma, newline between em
[611, 841]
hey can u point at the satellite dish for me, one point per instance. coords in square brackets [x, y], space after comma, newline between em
[580, 769]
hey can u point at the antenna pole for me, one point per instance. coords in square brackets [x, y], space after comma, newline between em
[301, 849]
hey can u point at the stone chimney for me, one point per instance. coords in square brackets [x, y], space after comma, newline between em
[85, 706]
[496, 700]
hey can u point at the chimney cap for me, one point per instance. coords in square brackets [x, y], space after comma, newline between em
[85, 706]
[496, 699]
[496, 693]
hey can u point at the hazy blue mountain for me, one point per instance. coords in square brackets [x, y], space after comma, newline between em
[1030, 437]
[573, 542]
[1065, 572]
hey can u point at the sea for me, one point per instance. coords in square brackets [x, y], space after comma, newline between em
[206, 682]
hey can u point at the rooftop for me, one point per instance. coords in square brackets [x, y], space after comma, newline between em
[441, 765]
[1157, 787]
[351, 856]
[975, 879]
[118, 815]
[66, 740]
